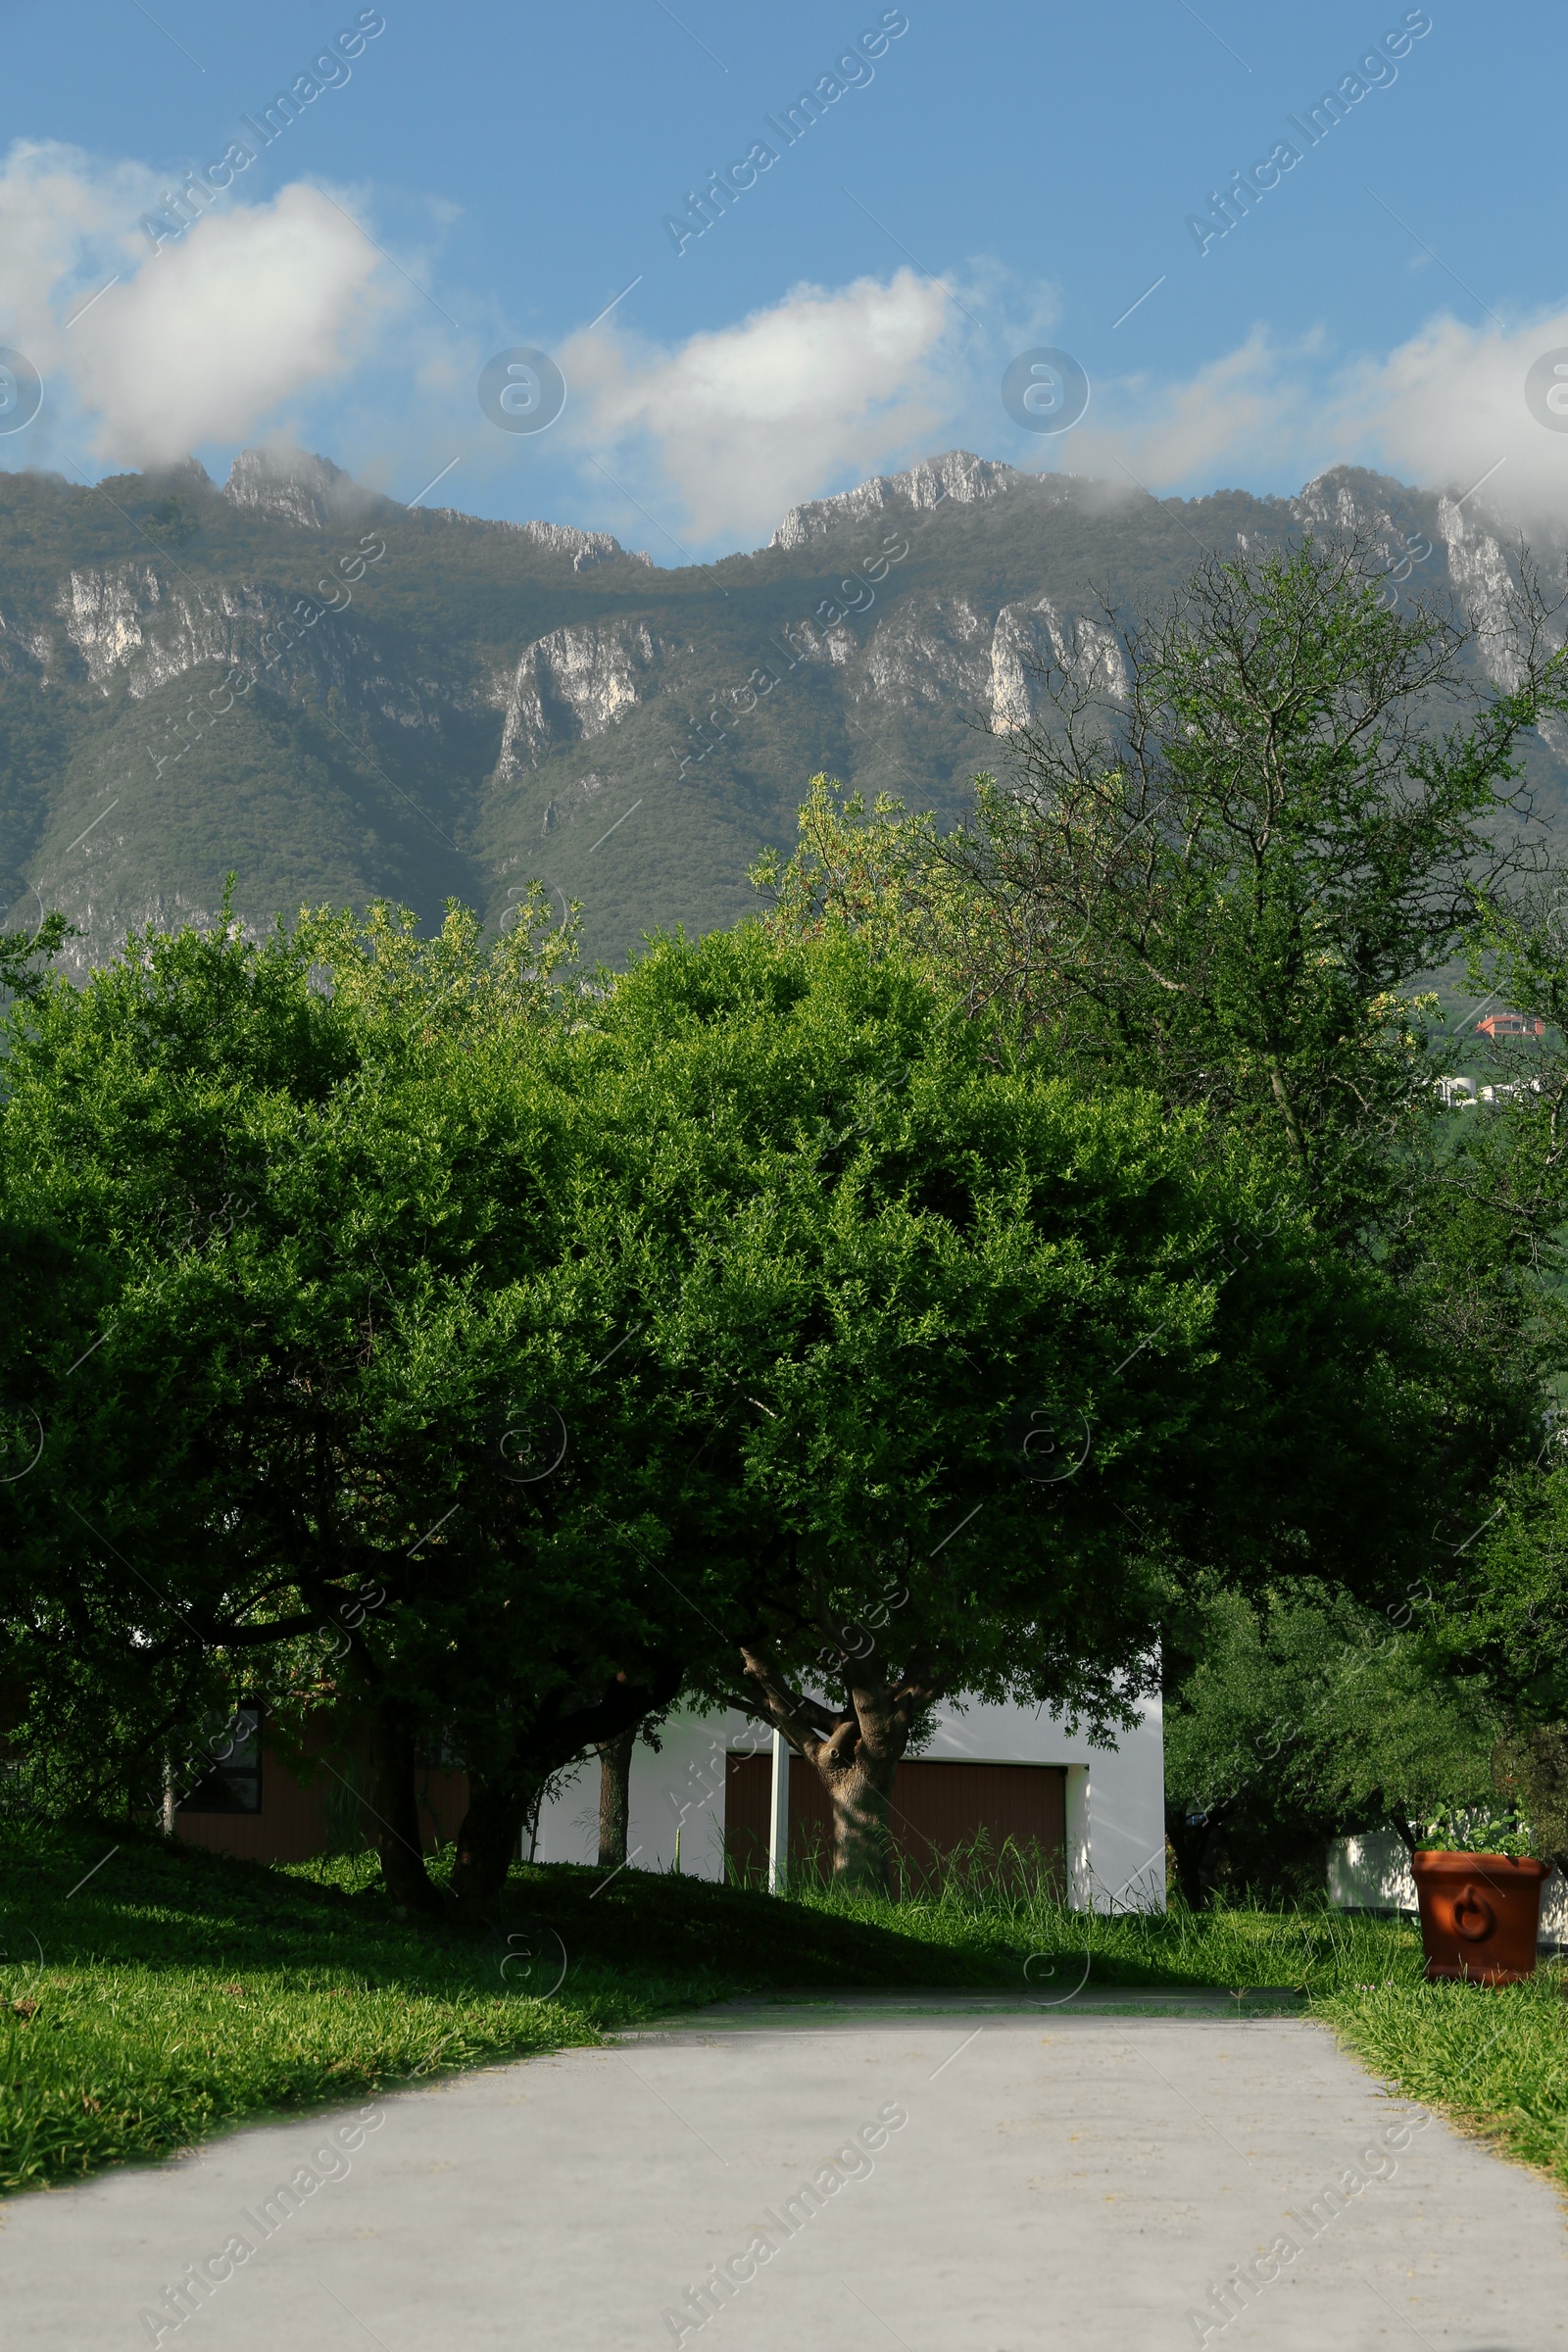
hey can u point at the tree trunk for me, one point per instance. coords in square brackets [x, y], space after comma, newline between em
[487, 1842]
[1189, 1844]
[856, 1753]
[500, 1797]
[394, 1823]
[615, 1797]
[1405, 1826]
[859, 1787]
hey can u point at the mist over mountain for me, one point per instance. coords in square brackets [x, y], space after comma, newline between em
[338, 697]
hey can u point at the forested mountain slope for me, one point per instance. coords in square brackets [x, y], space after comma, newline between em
[338, 697]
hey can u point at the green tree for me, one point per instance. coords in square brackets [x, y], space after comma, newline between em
[962, 1364]
[1308, 1717]
[1243, 827]
[308, 1204]
[25, 956]
[1503, 1185]
[496, 1355]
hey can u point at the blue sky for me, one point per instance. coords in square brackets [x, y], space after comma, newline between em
[995, 181]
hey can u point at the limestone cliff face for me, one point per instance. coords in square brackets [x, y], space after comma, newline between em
[928, 649]
[132, 618]
[959, 475]
[586, 547]
[500, 701]
[1041, 635]
[25, 649]
[138, 620]
[1432, 542]
[292, 485]
[1483, 580]
[585, 550]
[569, 686]
[917, 649]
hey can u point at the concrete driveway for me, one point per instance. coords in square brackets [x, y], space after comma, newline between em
[945, 2173]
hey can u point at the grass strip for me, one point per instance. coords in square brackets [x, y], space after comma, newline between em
[172, 1993]
[1492, 2059]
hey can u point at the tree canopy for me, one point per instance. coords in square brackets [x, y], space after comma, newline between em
[505, 1357]
[937, 1290]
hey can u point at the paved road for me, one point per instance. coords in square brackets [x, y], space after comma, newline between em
[932, 2172]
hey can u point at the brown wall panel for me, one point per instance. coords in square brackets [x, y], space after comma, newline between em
[748, 1788]
[939, 1809]
[305, 1813]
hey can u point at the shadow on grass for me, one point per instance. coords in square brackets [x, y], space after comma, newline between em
[152, 1993]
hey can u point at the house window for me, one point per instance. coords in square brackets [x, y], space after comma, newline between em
[229, 1761]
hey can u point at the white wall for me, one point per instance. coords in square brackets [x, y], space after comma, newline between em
[1115, 1796]
[679, 1791]
[1373, 1873]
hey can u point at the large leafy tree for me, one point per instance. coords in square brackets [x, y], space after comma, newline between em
[957, 1380]
[1218, 865]
[1307, 1717]
[1504, 1190]
[756, 1319]
[297, 1314]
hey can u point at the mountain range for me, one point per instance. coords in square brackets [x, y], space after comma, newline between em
[337, 696]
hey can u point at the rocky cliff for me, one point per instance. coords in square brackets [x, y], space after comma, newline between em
[332, 696]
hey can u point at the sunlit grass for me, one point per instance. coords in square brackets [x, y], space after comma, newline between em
[1019, 1931]
[175, 1994]
[1494, 2059]
[174, 1991]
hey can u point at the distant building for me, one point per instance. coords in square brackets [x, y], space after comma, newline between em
[1510, 1024]
[1463, 1094]
[702, 1802]
[993, 1767]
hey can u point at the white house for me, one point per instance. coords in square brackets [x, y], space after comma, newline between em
[713, 1785]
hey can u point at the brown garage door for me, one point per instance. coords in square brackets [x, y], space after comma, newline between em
[1015, 1814]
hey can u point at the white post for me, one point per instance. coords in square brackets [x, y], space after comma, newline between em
[778, 1831]
[1080, 1840]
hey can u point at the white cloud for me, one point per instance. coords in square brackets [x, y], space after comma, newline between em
[747, 421]
[213, 335]
[1442, 410]
[200, 340]
[60, 216]
[1446, 406]
[1236, 411]
[262, 312]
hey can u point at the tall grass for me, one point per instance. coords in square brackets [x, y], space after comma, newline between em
[1008, 1908]
[1494, 2060]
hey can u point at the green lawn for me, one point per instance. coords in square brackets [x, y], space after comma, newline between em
[175, 1992]
[1495, 2061]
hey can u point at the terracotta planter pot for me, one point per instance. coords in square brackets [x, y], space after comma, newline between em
[1480, 1914]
